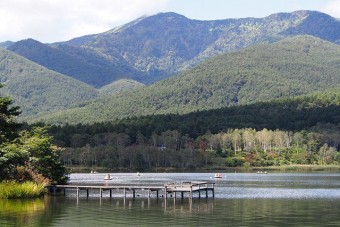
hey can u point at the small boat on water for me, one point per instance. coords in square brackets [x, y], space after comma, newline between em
[260, 172]
[218, 175]
[138, 174]
[94, 172]
[108, 177]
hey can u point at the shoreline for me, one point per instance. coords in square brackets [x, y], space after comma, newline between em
[285, 168]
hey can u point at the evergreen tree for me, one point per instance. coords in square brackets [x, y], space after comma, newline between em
[8, 126]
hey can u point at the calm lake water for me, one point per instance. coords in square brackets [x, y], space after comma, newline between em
[241, 199]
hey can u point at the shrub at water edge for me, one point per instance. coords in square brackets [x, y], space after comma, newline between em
[14, 190]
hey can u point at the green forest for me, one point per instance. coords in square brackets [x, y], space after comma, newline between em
[171, 150]
[289, 131]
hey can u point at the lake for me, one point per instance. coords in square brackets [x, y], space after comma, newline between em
[241, 199]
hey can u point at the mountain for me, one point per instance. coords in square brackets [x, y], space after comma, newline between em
[79, 63]
[38, 90]
[6, 44]
[120, 86]
[290, 67]
[153, 48]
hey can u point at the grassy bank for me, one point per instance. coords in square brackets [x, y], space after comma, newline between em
[14, 190]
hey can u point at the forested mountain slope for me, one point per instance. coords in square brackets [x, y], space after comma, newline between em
[291, 67]
[39, 90]
[153, 48]
[79, 63]
[290, 113]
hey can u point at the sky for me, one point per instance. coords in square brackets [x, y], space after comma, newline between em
[60, 20]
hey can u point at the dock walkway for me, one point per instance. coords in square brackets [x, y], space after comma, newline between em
[166, 189]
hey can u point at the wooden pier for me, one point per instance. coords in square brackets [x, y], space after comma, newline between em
[190, 187]
[165, 190]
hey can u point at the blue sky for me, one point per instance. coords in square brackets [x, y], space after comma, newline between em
[60, 20]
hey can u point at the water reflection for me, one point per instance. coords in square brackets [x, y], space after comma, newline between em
[240, 200]
[22, 212]
[61, 211]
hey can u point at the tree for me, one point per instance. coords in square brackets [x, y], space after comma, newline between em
[32, 156]
[249, 139]
[43, 155]
[27, 155]
[236, 137]
[8, 126]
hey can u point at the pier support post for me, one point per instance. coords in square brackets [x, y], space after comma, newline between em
[190, 191]
[149, 193]
[199, 191]
[124, 192]
[166, 192]
[77, 192]
[213, 191]
[54, 190]
[87, 192]
[134, 193]
[110, 193]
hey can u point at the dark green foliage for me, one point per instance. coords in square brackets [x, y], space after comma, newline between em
[8, 125]
[289, 114]
[286, 114]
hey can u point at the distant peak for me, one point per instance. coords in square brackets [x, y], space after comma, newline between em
[169, 14]
[299, 13]
[29, 40]
[122, 27]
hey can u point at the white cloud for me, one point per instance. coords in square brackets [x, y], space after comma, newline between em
[58, 20]
[332, 8]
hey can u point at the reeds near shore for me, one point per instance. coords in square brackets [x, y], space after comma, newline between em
[14, 190]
